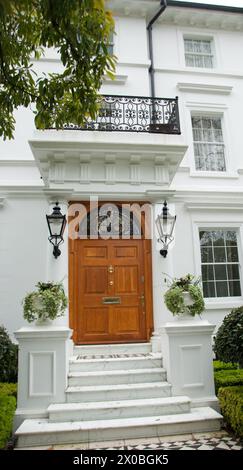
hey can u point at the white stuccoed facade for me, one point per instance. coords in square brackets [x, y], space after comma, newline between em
[38, 168]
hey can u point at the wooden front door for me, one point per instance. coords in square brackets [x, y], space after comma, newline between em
[110, 290]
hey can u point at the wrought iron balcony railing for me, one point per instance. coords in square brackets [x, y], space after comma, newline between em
[135, 114]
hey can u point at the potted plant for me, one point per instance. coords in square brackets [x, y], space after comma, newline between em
[184, 296]
[46, 303]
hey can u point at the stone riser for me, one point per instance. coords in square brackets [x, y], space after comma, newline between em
[115, 364]
[154, 390]
[118, 410]
[114, 377]
[106, 349]
[38, 433]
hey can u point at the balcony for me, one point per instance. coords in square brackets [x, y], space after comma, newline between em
[135, 114]
[137, 164]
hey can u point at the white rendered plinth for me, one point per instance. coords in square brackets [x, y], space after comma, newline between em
[43, 369]
[187, 352]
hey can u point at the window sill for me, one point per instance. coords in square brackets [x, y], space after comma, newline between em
[223, 303]
[214, 174]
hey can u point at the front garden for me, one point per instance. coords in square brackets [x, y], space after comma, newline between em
[228, 376]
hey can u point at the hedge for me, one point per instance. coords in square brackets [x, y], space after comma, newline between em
[219, 365]
[8, 389]
[231, 403]
[7, 408]
[226, 378]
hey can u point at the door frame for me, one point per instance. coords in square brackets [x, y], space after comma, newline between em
[148, 286]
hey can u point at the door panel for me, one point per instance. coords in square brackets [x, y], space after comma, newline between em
[110, 271]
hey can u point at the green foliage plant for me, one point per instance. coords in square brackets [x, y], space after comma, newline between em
[228, 344]
[174, 296]
[79, 31]
[47, 302]
[231, 404]
[8, 357]
[226, 378]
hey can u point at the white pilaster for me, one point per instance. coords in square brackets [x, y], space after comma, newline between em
[57, 269]
[162, 267]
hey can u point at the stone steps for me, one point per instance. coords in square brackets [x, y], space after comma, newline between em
[113, 377]
[112, 349]
[118, 392]
[149, 361]
[38, 432]
[118, 409]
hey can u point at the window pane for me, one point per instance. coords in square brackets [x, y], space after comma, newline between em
[218, 238]
[207, 272]
[220, 265]
[235, 289]
[233, 271]
[219, 255]
[220, 272]
[208, 143]
[232, 253]
[196, 122]
[222, 289]
[230, 237]
[209, 289]
[207, 255]
[205, 238]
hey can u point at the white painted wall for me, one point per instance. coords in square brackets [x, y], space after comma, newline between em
[23, 255]
[23, 236]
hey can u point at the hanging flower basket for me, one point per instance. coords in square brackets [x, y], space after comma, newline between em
[46, 303]
[184, 296]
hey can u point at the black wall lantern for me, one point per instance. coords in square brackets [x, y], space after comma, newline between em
[165, 224]
[56, 223]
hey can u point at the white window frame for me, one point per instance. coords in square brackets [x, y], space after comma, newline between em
[210, 116]
[219, 302]
[191, 33]
[200, 38]
[217, 110]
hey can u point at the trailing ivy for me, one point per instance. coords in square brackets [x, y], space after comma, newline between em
[174, 296]
[48, 302]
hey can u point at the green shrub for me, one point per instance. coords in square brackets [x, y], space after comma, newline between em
[8, 358]
[229, 338]
[231, 403]
[219, 365]
[8, 389]
[7, 409]
[226, 378]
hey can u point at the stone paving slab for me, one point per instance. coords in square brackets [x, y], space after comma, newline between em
[199, 441]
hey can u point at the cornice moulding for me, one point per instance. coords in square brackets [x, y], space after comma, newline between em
[118, 80]
[202, 73]
[204, 88]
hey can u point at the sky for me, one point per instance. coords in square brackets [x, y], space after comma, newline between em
[232, 3]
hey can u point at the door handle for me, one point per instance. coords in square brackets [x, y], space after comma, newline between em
[142, 298]
[110, 269]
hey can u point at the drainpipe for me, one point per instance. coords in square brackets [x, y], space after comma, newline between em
[163, 5]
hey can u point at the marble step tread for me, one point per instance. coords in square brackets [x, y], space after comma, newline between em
[120, 391]
[118, 409]
[110, 349]
[116, 372]
[117, 387]
[41, 431]
[101, 360]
